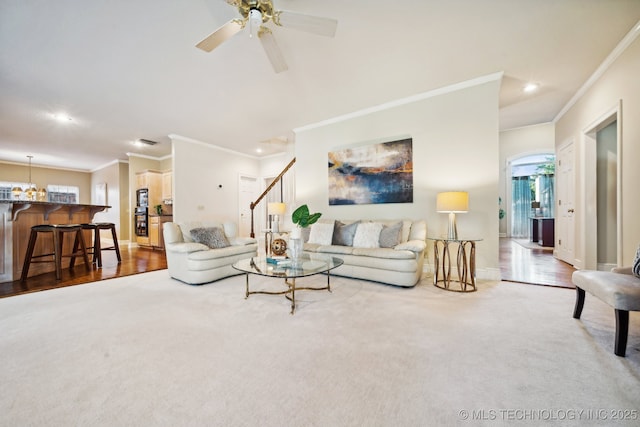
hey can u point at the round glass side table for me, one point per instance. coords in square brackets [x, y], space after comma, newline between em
[466, 264]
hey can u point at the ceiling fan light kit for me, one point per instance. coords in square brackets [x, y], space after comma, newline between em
[259, 12]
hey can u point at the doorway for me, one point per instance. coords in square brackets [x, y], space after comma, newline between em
[531, 193]
[602, 249]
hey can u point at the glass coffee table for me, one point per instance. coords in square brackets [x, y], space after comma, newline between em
[308, 265]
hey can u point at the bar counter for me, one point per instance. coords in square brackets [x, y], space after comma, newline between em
[18, 216]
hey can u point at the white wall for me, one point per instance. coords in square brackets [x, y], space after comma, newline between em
[455, 147]
[198, 170]
[619, 83]
[517, 143]
[115, 177]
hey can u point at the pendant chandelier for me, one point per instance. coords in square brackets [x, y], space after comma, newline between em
[31, 193]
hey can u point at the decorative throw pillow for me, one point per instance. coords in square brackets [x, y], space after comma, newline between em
[636, 264]
[211, 236]
[321, 233]
[390, 235]
[343, 233]
[367, 235]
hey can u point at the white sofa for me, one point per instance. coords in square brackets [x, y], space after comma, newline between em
[400, 265]
[196, 263]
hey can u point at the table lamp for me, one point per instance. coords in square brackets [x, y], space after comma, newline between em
[535, 206]
[275, 209]
[452, 202]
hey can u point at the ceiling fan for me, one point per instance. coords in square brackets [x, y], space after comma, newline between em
[259, 12]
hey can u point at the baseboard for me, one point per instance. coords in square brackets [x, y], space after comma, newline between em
[502, 234]
[492, 274]
[605, 266]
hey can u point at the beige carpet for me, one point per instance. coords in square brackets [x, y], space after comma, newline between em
[147, 350]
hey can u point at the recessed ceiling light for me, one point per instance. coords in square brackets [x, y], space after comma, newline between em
[62, 117]
[258, 150]
[531, 87]
[142, 142]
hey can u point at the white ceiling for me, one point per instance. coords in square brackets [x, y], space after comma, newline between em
[129, 69]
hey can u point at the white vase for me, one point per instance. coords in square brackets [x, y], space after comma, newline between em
[295, 248]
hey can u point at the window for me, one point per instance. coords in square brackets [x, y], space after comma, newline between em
[55, 193]
[5, 189]
[63, 193]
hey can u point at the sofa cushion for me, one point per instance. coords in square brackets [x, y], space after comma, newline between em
[185, 248]
[383, 253]
[321, 233]
[343, 233]
[367, 235]
[412, 245]
[187, 226]
[211, 236]
[418, 230]
[217, 258]
[390, 235]
[334, 249]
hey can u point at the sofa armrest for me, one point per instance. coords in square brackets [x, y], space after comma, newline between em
[242, 241]
[412, 245]
[185, 247]
[622, 270]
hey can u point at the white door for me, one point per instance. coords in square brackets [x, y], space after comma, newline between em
[565, 225]
[248, 189]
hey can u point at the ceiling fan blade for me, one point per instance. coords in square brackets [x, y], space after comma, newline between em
[220, 35]
[311, 24]
[273, 51]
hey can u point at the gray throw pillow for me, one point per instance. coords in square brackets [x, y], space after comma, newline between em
[343, 233]
[636, 264]
[390, 235]
[211, 236]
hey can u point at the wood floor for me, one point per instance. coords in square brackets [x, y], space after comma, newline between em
[535, 266]
[517, 264]
[134, 261]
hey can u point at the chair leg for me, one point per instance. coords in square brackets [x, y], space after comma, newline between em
[97, 247]
[577, 310]
[27, 258]
[115, 243]
[83, 246]
[58, 239]
[622, 330]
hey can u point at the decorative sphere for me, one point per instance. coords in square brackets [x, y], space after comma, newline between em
[278, 247]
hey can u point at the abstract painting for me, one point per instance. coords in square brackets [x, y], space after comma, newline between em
[372, 173]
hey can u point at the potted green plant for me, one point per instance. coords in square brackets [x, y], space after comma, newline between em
[301, 218]
[158, 209]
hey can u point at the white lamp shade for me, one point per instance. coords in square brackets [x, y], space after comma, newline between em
[276, 208]
[452, 201]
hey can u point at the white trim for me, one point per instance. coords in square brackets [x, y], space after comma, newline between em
[615, 53]
[109, 164]
[175, 137]
[403, 101]
[146, 156]
[45, 167]
[508, 184]
[589, 140]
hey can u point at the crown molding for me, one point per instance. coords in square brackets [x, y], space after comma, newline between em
[606, 64]
[404, 101]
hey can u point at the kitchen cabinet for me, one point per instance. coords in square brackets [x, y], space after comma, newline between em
[155, 239]
[151, 180]
[167, 185]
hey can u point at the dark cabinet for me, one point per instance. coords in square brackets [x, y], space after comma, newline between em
[543, 231]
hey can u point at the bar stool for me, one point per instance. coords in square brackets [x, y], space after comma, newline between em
[57, 232]
[96, 249]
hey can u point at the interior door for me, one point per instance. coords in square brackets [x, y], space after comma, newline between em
[565, 224]
[248, 189]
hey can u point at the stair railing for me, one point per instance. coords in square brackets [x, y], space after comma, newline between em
[253, 205]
